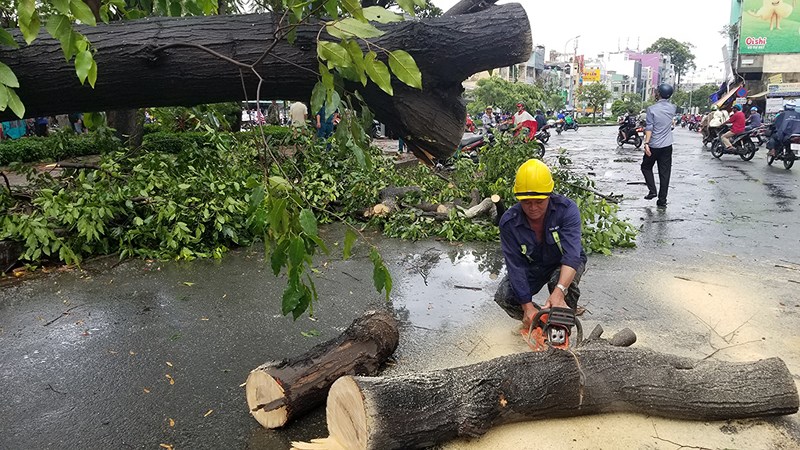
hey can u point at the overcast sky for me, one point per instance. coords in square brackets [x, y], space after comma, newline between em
[604, 23]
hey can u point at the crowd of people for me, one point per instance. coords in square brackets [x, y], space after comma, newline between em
[41, 126]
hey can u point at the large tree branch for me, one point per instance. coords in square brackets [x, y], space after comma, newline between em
[132, 73]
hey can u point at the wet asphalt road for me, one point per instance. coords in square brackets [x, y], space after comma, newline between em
[146, 342]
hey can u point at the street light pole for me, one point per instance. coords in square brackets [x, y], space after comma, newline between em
[570, 98]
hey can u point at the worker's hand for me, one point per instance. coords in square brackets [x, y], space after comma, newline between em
[647, 150]
[556, 300]
[528, 311]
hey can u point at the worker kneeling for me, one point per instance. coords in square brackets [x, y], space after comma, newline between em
[541, 241]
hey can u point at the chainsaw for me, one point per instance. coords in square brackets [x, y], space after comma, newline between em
[552, 328]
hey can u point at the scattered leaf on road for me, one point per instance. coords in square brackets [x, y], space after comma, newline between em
[131, 352]
[310, 333]
[171, 380]
[169, 363]
[166, 446]
[146, 391]
[171, 423]
[188, 283]
[204, 318]
[208, 413]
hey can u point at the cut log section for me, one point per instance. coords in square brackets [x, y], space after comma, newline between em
[423, 409]
[280, 391]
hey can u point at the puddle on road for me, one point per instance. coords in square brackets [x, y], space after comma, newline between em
[441, 289]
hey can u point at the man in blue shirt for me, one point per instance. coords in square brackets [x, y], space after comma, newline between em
[541, 241]
[658, 145]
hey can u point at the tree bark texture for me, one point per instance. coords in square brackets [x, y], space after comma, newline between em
[280, 391]
[135, 70]
[423, 409]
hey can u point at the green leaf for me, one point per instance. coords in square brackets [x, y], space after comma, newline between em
[318, 95]
[82, 12]
[353, 27]
[278, 258]
[68, 45]
[407, 6]
[83, 62]
[175, 8]
[310, 333]
[378, 72]
[93, 73]
[357, 56]
[332, 103]
[381, 15]
[327, 77]
[7, 76]
[405, 68]
[59, 26]
[15, 103]
[332, 8]
[61, 6]
[380, 274]
[350, 237]
[297, 251]
[354, 8]
[308, 222]
[7, 39]
[334, 53]
[291, 298]
[3, 98]
[420, 3]
[30, 28]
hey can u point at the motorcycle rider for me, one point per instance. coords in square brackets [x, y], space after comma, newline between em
[754, 121]
[524, 119]
[541, 121]
[488, 120]
[628, 126]
[641, 119]
[786, 124]
[718, 117]
[737, 126]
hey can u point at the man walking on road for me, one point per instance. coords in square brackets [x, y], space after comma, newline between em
[658, 145]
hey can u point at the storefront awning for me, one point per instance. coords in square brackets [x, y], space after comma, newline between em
[727, 96]
[759, 95]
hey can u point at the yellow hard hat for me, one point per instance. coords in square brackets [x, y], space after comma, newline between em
[533, 181]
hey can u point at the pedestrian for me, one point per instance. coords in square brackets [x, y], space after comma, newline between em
[273, 114]
[324, 124]
[487, 120]
[541, 241]
[298, 112]
[658, 144]
[40, 126]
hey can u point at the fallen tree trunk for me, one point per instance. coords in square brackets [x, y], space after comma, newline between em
[423, 409]
[279, 391]
[146, 62]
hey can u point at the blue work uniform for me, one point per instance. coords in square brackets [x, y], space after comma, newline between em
[531, 264]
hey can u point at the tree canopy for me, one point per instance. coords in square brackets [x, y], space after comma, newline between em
[499, 93]
[699, 97]
[595, 96]
[680, 54]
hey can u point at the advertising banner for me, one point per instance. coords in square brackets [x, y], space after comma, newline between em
[769, 27]
[591, 75]
[783, 90]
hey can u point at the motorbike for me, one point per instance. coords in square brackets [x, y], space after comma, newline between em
[543, 135]
[694, 126]
[562, 125]
[633, 138]
[742, 144]
[376, 132]
[787, 153]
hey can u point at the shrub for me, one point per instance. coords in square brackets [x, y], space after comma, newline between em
[55, 147]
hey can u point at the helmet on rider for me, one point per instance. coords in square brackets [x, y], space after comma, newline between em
[665, 91]
[790, 105]
[737, 107]
[754, 109]
[714, 108]
[533, 181]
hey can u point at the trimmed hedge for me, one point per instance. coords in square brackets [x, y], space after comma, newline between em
[57, 147]
[31, 149]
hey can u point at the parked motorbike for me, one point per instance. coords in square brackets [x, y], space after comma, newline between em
[787, 153]
[742, 144]
[632, 137]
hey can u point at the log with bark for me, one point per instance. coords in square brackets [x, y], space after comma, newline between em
[147, 62]
[423, 409]
[279, 391]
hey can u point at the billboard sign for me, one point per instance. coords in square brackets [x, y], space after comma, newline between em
[769, 27]
[591, 75]
[783, 90]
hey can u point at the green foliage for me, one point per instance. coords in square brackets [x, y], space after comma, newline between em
[499, 93]
[680, 53]
[629, 103]
[595, 95]
[219, 116]
[699, 97]
[57, 146]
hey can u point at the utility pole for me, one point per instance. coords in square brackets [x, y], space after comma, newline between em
[571, 98]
